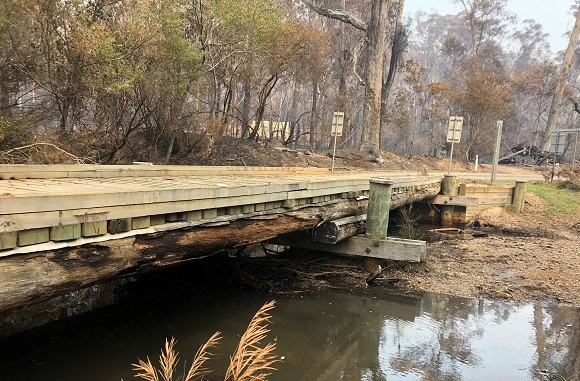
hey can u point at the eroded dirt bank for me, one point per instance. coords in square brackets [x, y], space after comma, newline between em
[531, 256]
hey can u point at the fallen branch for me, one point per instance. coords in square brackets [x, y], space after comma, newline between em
[19, 149]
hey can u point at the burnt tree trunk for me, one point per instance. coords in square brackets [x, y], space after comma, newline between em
[376, 34]
[552, 122]
[373, 60]
[399, 44]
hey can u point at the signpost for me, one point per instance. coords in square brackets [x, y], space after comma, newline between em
[496, 151]
[336, 130]
[558, 142]
[557, 146]
[453, 135]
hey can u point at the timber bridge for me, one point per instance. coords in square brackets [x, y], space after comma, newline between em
[64, 228]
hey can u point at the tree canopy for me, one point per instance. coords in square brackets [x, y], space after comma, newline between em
[159, 80]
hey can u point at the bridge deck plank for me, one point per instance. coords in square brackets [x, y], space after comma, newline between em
[27, 196]
[47, 202]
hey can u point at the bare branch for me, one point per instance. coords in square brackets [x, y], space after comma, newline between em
[340, 15]
[17, 149]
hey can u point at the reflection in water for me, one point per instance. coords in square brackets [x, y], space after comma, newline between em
[434, 338]
[324, 337]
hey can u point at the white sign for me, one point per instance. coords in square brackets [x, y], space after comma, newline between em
[337, 122]
[454, 129]
[557, 142]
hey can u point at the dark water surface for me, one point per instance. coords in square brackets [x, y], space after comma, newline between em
[333, 336]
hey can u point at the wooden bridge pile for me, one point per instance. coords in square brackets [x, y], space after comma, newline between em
[468, 200]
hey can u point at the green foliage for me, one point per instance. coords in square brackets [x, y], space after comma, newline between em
[256, 21]
[11, 134]
[562, 201]
[167, 61]
[6, 129]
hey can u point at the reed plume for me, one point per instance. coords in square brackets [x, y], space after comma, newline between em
[250, 361]
[198, 370]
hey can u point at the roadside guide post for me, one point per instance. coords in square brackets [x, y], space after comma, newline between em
[453, 135]
[336, 130]
[575, 147]
[496, 151]
[557, 147]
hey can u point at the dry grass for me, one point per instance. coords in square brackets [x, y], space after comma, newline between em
[201, 357]
[250, 360]
[407, 223]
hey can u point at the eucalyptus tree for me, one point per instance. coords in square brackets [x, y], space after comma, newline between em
[15, 59]
[487, 22]
[480, 86]
[533, 47]
[250, 46]
[533, 92]
[561, 82]
[103, 70]
[13, 34]
[375, 31]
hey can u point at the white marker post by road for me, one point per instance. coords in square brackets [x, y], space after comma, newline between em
[496, 151]
[336, 130]
[453, 135]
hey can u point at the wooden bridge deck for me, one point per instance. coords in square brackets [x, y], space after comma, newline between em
[47, 207]
[66, 228]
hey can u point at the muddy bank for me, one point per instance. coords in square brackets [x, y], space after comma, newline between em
[531, 257]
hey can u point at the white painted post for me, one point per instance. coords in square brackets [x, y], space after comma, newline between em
[336, 130]
[574, 156]
[333, 154]
[496, 151]
[452, 145]
[476, 162]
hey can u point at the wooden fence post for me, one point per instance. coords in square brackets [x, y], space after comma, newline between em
[380, 191]
[448, 188]
[519, 196]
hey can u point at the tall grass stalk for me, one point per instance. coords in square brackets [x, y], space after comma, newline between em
[407, 223]
[250, 360]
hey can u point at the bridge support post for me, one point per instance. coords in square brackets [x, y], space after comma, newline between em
[519, 196]
[380, 192]
[448, 188]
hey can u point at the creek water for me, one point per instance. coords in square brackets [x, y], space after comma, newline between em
[330, 336]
